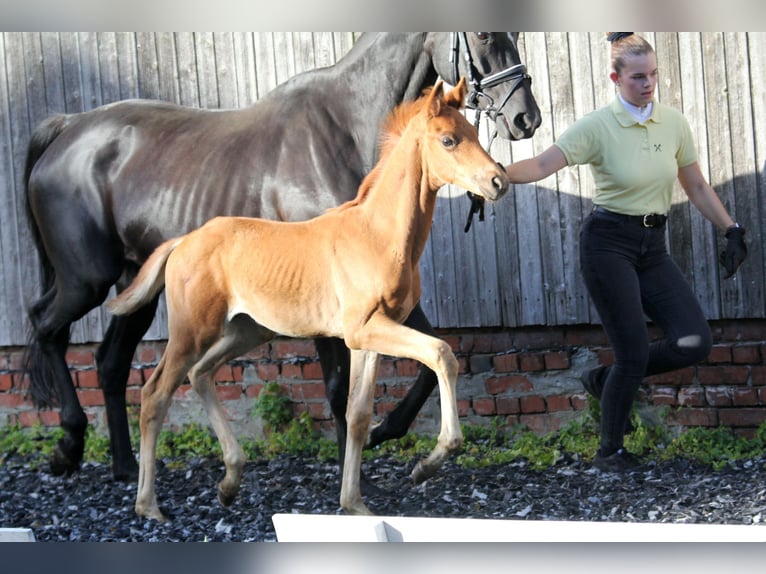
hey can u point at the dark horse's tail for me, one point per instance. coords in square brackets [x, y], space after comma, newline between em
[42, 388]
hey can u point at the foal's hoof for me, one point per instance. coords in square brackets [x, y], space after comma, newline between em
[421, 473]
[226, 499]
[61, 464]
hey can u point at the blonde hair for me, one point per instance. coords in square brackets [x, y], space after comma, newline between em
[625, 45]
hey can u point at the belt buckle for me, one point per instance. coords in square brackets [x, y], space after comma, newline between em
[645, 221]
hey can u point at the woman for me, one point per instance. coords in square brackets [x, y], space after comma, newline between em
[636, 148]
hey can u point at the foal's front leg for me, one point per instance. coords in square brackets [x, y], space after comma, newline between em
[364, 367]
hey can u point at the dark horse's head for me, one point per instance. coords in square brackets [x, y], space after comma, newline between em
[498, 83]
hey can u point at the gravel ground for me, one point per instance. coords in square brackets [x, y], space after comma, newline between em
[90, 506]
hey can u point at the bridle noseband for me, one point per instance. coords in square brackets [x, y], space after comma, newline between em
[477, 99]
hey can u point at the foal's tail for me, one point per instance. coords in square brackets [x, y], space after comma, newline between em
[149, 282]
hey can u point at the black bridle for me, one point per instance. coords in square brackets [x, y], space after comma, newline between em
[477, 99]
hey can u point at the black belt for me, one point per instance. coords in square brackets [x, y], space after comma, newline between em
[648, 220]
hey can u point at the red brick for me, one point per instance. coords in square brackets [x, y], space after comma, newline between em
[746, 354]
[319, 411]
[386, 368]
[745, 417]
[758, 375]
[133, 396]
[718, 396]
[308, 391]
[313, 371]
[148, 355]
[532, 362]
[293, 348]
[90, 397]
[29, 418]
[695, 417]
[484, 406]
[135, 378]
[50, 418]
[463, 407]
[11, 400]
[532, 404]
[508, 383]
[87, 379]
[229, 392]
[292, 371]
[407, 368]
[579, 402]
[507, 405]
[722, 375]
[79, 358]
[506, 363]
[678, 377]
[267, 371]
[664, 396]
[719, 354]
[744, 397]
[691, 397]
[6, 382]
[252, 391]
[557, 360]
[558, 403]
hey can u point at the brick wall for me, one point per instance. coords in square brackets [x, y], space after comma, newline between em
[528, 376]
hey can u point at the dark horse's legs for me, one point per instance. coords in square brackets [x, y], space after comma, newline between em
[114, 358]
[334, 359]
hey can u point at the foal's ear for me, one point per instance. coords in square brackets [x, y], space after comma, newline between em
[434, 103]
[456, 97]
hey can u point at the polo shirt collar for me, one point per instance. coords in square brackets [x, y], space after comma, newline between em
[626, 118]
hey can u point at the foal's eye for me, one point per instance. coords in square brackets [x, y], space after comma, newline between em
[482, 35]
[448, 141]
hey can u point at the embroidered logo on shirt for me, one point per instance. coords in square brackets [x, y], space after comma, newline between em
[657, 147]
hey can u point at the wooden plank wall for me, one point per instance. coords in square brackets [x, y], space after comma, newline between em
[520, 266]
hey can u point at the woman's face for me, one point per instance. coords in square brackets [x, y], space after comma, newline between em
[638, 79]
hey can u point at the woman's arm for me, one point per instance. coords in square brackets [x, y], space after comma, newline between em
[703, 196]
[538, 167]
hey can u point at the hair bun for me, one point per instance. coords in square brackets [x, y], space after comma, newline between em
[614, 36]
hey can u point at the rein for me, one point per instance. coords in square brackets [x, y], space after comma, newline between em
[478, 100]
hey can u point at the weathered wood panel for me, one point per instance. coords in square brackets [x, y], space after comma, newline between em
[521, 265]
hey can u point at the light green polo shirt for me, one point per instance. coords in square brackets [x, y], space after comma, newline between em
[634, 165]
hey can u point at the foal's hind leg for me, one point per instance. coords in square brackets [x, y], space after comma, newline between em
[156, 396]
[240, 335]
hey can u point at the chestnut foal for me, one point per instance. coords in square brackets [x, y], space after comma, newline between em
[352, 273]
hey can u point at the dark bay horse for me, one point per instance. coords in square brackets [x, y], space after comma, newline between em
[107, 186]
[351, 273]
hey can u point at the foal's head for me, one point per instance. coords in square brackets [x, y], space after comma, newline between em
[449, 145]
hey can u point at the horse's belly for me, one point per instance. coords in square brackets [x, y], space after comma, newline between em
[291, 319]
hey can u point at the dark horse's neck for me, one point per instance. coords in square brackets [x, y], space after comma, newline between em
[395, 66]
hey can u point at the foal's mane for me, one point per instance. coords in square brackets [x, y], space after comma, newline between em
[391, 132]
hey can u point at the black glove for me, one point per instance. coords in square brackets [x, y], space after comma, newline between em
[736, 250]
